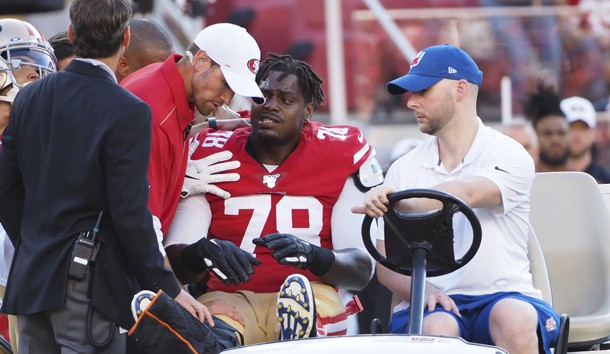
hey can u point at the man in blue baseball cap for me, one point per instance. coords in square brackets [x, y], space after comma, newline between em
[491, 299]
[433, 64]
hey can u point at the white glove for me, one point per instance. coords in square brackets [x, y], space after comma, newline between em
[201, 175]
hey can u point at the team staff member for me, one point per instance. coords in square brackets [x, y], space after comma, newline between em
[78, 145]
[150, 43]
[221, 61]
[491, 173]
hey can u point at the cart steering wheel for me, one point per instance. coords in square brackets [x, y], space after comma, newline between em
[431, 231]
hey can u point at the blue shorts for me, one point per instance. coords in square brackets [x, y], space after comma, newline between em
[474, 323]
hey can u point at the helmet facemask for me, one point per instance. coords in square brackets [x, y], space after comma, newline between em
[6, 84]
[27, 64]
[25, 56]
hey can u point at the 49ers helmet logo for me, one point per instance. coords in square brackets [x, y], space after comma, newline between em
[253, 65]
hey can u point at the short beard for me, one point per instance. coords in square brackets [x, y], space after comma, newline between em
[439, 118]
[264, 139]
[555, 161]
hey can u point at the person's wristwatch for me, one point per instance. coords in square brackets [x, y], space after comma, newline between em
[212, 123]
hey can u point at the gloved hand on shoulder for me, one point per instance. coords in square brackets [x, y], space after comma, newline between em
[202, 175]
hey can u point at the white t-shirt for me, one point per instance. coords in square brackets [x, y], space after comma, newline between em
[6, 255]
[501, 264]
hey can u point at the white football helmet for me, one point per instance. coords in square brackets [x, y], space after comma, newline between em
[25, 56]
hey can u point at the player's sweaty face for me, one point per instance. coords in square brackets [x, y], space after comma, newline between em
[280, 119]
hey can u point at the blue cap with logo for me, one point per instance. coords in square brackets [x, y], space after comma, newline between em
[433, 64]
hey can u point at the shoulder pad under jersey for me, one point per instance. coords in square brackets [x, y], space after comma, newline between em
[369, 174]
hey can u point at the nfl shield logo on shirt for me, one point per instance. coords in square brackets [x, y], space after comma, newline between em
[270, 180]
[551, 325]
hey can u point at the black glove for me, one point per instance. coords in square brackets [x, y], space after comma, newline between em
[230, 263]
[291, 250]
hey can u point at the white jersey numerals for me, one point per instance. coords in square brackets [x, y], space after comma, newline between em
[216, 139]
[337, 133]
[285, 212]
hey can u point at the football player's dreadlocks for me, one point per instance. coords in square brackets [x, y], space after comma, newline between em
[309, 81]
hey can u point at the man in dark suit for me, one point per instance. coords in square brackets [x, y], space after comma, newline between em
[78, 145]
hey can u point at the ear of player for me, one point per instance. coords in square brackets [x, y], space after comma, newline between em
[228, 262]
[291, 250]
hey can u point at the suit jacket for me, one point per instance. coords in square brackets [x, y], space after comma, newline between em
[76, 144]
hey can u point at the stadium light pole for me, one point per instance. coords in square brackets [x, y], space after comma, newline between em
[335, 61]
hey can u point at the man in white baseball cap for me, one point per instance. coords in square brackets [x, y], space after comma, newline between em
[581, 116]
[222, 61]
[237, 54]
[579, 109]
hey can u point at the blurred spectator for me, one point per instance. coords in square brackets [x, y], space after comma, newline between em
[532, 43]
[522, 131]
[194, 8]
[243, 17]
[62, 47]
[582, 118]
[551, 126]
[30, 6]
[584, 60]
[143, 8]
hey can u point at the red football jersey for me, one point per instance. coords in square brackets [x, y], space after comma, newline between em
[296, 198]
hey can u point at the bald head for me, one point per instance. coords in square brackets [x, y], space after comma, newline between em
[149, 43]
[523, 132]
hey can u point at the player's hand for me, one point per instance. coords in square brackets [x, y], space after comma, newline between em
[228, 262]
[197, 309]
[376, 202]
[434, 296]
[221, 307]
[291, 250]
[203, 174]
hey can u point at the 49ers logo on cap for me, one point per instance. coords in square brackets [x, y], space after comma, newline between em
[253, 65]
